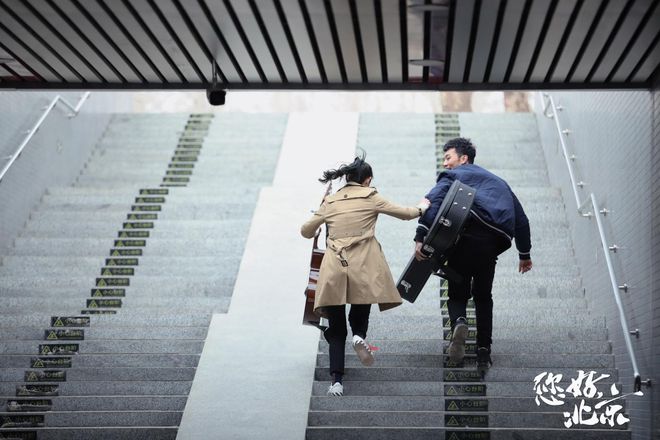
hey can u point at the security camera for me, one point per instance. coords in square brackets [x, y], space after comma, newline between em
[216, 96]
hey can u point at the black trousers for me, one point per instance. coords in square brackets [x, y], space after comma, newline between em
[474, 258]
[335, 334]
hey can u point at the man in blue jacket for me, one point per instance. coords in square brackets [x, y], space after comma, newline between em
[495, 219]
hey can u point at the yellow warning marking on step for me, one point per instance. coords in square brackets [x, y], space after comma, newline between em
[123, 235]
[45, 350]
[93, 305]
[452, 422]
[453, 406]
[106, 272]
[453, 436]
[97, 293]
[58, 323]
[451, 375]
[101, 283]
[452, 391]
[116, 254]
[111, 263]
[38, 364]
[127, 226]
[52, 335]
[31, 377]
[120, 244]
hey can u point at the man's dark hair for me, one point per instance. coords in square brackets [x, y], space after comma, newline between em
[463, 146]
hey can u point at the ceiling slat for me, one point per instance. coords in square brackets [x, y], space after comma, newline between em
[618, 40]
[366, 18]
[485, 34]
[280, 74]
[555, 39]
[57, 40]
[303, 41]
[637, 45]
[528, 43]
[597, 40]
[143, 34]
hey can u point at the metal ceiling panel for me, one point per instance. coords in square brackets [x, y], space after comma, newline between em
[483, 42]
[557, 33]
[249, 15]
[392, 30]
[602, 31]
[539, 13]
[318, 19]
[578, 36]
[279, 39]
[645, 40]
[38, 47]
[220, 40]
[463, 15]
[312, 65]
[51, 37]
[648, 69]
[512, 23]
[148, 45]
[366, 17]
[27, 58]
[329, 44]
[623, 35]
[347, 43]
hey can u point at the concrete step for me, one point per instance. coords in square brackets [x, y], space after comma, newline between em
[155, 246]
[428, 403]
[140, 332]
[124, 360]
[501, 360]
[119, 213]
[547, 420]
[524, 331]
[394, 433]
[218, 285]
[123, 318]
[104, 403]
[513, 347]
[157, 346]
[436, 374]
[147, 304]
[106, 374]
[425, 388]
[102, 418]
[96, 433]
[112, 388]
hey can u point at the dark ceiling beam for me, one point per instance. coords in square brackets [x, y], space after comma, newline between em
[430, 87]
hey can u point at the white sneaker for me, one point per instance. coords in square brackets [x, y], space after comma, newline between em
[336, 389]
[363, 351]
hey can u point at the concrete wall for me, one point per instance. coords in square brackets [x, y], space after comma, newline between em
[613, 137]
[56, 153]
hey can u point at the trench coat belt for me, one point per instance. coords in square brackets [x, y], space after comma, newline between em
[339, 252]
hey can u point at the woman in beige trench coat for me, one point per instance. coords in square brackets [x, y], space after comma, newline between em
[354, 270]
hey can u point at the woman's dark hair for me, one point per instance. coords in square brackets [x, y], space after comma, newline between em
[357, 171]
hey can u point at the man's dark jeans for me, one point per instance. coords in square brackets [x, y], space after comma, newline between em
[474, 258]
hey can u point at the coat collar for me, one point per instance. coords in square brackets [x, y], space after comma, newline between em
[351, 190]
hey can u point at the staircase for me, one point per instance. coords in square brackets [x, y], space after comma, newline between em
[108, 291]
[542, 322]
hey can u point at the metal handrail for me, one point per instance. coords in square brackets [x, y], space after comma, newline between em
[31, 132]
[581, 206]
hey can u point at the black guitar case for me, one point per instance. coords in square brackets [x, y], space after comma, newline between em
[440, 240]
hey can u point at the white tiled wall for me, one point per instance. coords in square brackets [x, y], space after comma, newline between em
[612, 136]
